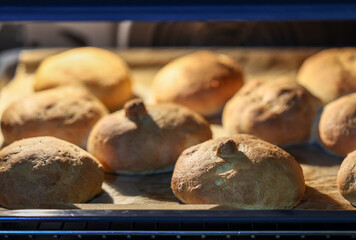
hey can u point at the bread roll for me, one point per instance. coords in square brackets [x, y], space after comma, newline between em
[202, 81]
[240, 171]
[330, 74]
[104, 73]
[346, 178]
[41, 171]
[139, 140]
[278, 111]
[67, 112]
[337, 125]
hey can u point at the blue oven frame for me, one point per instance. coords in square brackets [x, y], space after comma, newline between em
[183, 10]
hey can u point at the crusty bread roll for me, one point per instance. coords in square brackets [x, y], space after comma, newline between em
[41, 171]
[240, 171]
[137, 140]
[65, 112]
[278, 111]
[202, 81]
[330, 74]
[104, 73]
[346, 178]
[337, 125]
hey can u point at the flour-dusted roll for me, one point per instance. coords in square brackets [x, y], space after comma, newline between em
[329, 74]
[202, 81]
[337, 125]
[140, 140]
[41, 171]
[240, 171]
[66, 112]
[346, 178]
[104, 73]
[278, 111]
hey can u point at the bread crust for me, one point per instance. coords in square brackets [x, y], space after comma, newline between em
[41, 171]
[337, 125]
[202, 81]
[140, 140]
[66, 112]
[278, 111]
[330, 73]
[346, 178]
[105, 74]
[240, 171]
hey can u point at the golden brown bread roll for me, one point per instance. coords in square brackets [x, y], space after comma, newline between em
[240, 171]
[104, 73]
[41, 171]
[140, 140]
[278, 111]
[65, 112]
[202, 81]
[346, 178]
[337, 125]
[329, 74]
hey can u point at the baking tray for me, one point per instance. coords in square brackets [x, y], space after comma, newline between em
[148, 200]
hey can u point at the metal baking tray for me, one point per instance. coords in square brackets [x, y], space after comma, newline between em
[138, 207]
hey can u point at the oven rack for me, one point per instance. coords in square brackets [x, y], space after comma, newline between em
[177, 224]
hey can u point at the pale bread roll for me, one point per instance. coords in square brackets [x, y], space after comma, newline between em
[66, 112]
[330, 73]
[105, 74]
[337, 125]
[44, 171]
[240, 171]
[279, 111]
[202, 81]
[137, 140]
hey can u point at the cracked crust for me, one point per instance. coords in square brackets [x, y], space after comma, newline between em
[346, 178]
[337, 125]
[143, 140]
[105, 74]
[202, 81]
[329, 74]
[67, 112]
[240, 171]
[41, 171]
[278, 111]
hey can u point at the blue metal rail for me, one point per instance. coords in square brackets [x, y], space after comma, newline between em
[39, 10]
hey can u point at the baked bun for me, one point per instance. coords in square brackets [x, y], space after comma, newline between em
[104, 73]
[346, 178]
[139, 140]
[278, 111]
[41, 171]
[337, 125]
[240, 171]
[202, 81]
[330, 74]
[66, 112]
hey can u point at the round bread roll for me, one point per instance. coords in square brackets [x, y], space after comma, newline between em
[66, 112]
[41, 171]
[202, 81]
[104, 73]
[337, 125]
[240, 171]
[330, 74]
[346, 178]
[137, 140]
[278, 111]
